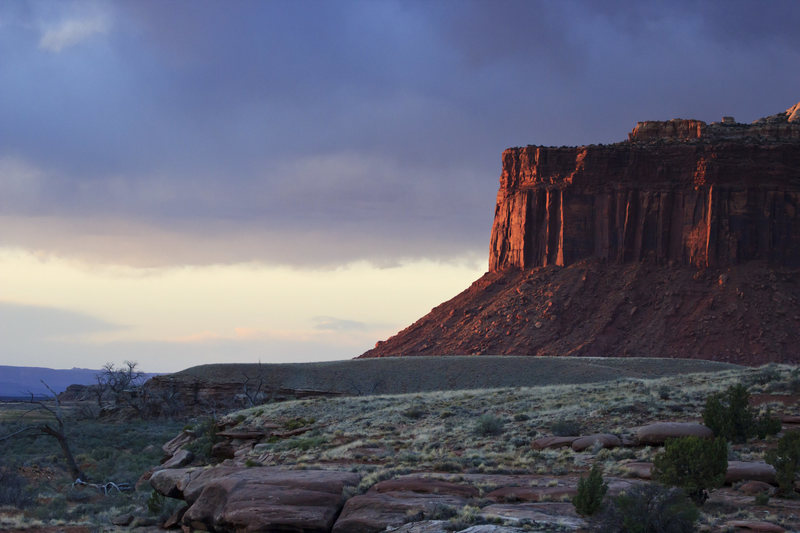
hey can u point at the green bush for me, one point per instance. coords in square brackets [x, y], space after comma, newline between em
[488, 425]
[205, 438]
[786, 460]
[692, 464]
[591, 491]
[648, 508]
[730, 416]
[767, 425]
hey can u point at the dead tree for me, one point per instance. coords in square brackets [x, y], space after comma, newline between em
[55, 428]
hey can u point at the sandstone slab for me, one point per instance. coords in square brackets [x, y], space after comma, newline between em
[552, 514]
[755, 526]
[658, 433]
[257, 499]
[599, 440]
[374, 511]
[179, 459]
[751, 488]
[746, 471]
[544, 443]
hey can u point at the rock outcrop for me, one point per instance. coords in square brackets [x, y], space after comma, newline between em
[680, 190]
[683, 241]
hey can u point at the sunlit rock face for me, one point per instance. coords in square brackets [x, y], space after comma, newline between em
[707, 195]
[683, 241]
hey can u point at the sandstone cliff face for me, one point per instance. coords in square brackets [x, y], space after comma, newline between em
[676, 191]
[683, 241]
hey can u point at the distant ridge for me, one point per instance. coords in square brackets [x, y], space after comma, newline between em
[22, 381]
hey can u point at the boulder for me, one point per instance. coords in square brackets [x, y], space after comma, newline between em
[754, 525]
[179, 459]
[177, 442]
[375, 511]
[751, 488]
[543, 443]
[600, 440]
[257, 499]
[171, 482]
[745, 471]
[658, 433]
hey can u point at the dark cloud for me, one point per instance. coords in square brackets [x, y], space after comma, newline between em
[335, 131]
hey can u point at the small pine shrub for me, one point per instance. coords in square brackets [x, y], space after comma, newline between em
[488, 425]
[648, 508]
[728, 414]
[566, 428]
[786, 460]
[767, 425]
[591, 491]
[692, 464]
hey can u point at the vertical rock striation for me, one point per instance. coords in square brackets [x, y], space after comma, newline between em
[681, 190]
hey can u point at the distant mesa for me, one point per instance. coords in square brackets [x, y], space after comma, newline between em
[682, 241]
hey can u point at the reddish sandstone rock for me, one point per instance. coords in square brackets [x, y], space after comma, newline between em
[683, 241]
[423, 485]
[543, 443]
[601, 440]
[751, 488]
[746, 471]
[179, 459]
[755, 525]
[659, 432]
[258, 498]
[374, 511]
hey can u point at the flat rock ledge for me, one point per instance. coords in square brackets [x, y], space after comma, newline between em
[242, 499]
[257, 499]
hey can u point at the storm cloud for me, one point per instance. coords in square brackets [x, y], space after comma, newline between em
[320, 133]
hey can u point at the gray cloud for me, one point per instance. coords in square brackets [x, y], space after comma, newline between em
[313, 133]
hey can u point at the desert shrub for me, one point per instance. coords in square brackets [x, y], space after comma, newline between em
[591, 491]
[205, 438]
[730, 416]
[488, 425]
[767, 425]
[468, 516]
[762, 498]
[13, 488]
[415, 412]
[297, 423]
[566, 428]
[786, 460]
[302, 443]
[693, 464]
[648, 508]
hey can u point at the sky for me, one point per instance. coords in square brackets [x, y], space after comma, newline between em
[193, 182]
